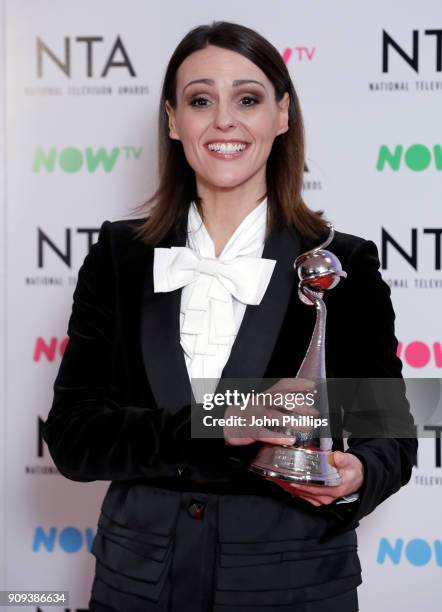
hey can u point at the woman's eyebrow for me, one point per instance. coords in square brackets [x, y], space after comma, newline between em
[235, 83]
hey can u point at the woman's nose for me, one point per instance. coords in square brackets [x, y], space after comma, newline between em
[224, 118]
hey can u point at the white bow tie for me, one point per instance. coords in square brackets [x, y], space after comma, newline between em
[208, 313]
[246, 278]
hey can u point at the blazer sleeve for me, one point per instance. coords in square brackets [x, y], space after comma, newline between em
[90, 436]
[369, 321]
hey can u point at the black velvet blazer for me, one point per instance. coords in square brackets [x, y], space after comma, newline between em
[121, 397]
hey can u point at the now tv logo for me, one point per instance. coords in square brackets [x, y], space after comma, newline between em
[301, 54]
[416, 157]
[418, 354]
[49, 349]
[69, 539]
[417, 551]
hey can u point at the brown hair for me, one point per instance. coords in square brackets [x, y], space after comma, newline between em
[285, 165]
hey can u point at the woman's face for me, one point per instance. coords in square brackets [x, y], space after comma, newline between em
[226, 117]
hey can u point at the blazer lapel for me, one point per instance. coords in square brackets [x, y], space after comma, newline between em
[160, 338]
[260, 327]
[160, 331]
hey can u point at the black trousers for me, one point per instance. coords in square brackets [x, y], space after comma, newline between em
[200, 552]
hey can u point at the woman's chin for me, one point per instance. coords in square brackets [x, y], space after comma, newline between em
[224, 182]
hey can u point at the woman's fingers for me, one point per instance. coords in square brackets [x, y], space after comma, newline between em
[315, 490]
[288, 419]
[317, 495]
[296, 493]
[320, 499]
[268, 422]
[277, 441]
[289, 404]
[264, 434]
[292, 385]
[235, 441]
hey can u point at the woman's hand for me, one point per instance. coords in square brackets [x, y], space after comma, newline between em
[248, 432]
[351, 471]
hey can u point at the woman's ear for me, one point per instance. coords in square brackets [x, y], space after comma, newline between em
[284, 104]
[172, 125]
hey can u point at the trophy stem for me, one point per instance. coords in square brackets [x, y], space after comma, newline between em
[313, 365]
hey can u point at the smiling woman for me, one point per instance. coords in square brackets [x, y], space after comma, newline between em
[203, 287]
[227, 96]
[226, 118]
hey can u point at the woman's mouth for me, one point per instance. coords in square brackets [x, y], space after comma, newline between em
[227, 150]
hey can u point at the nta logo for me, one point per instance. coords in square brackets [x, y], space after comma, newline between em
[62, 252]
[411, 254]
[72, 159]
[416, 157]
[87, 44]
[411, 57]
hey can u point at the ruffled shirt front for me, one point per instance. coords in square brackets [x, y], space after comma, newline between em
[210, 316]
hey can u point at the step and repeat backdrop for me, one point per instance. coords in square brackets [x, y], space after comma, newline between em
[79, 100]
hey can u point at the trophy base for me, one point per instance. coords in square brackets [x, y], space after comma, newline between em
[307, 466]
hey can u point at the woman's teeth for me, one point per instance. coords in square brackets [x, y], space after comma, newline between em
[227, 147]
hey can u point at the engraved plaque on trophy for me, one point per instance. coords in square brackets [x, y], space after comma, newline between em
[310, 459]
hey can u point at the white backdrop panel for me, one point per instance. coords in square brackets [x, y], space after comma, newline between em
[78, 155]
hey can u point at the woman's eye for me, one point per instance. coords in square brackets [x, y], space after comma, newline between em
[249, 101]
[201, 102]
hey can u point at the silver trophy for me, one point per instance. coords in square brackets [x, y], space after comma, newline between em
[309, 460]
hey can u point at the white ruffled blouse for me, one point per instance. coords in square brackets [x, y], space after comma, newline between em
[210, 316]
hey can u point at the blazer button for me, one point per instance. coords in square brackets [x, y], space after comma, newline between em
[183, 471]
[196, 509]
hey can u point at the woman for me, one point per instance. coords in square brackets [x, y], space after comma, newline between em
[204, 287]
